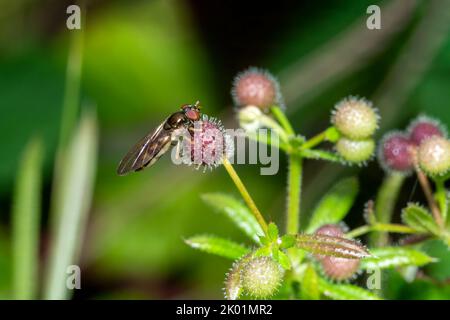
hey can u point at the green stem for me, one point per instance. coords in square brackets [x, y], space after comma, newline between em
[314, 141]
[25, 222]
[294, 194]
[283, 120]
[441, 197]
[385, 204]
[381, 227]
[243, 190]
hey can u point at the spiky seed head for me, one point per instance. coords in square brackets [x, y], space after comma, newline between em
[355, 118]
[208, 143]
[355, 151]
[261, 277]
[434, 156]
[336, 268]
[425, 127]
[256, 87]
[396, 152]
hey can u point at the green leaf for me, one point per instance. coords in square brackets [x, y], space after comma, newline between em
[75, 182]
[273, 231]
[309, 289]
[287, 241]
[284, 260]
[218, 246]
[237, 212]
[336, 203]
[321, 155]
[389, 257]
[419, 219]
[25, 221]
[331, 246]
[345, 291]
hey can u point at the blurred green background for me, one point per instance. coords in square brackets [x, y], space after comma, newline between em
[143, 59]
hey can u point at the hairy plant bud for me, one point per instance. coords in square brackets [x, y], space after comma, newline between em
[423, 128]
[261, 277]
[250, 118]
[355, 118]
[395, 152]
[355, 151]
[334, 267]
[207, 144]
[256, 87]
[434, 156]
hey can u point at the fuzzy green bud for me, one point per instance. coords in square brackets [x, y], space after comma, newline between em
[261, 277]
[355, 151]
[434, 156]
[355, 118]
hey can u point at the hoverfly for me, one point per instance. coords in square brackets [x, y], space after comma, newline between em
[151, 147]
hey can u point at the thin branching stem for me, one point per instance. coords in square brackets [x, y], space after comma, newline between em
[294, 194]
[243, 190]
[426, 187]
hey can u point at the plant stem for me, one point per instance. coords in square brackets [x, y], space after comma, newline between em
[381, 227]
[425, 183]
[294, 193]
[283, 120]
[385, 204]
[314, 141]
[441, 196]
[243, 190]
[25, 222]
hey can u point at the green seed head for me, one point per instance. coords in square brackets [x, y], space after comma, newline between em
[249, 118]
[355, 118]
[434, 156]
[261, 277]
[355, 151]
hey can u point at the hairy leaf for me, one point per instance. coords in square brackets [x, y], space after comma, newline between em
[273, 231]
[345, 291]
[389, 257]
[332, 246]
[419, 219]
[237, 212]
[336, 203]
[284, 260]
[218, 246]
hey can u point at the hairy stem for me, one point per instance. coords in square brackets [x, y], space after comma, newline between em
[314, 141]
[294, 193]
[380, 227]
[425, 183]
[283, 120]
[441, 196]
[385, 204]
[243, 190]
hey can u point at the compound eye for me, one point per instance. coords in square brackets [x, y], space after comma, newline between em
[192, 114]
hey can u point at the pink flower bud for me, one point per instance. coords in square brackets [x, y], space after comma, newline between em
[396, 152]
[423, 128]
[256, 87]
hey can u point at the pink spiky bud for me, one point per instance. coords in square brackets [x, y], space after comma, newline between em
[425, 127]
[396, 152]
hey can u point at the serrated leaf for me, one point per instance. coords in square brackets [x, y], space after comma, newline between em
[389, 257]
[419, 219]
[284, 260]
[309, 289]
[287, 241]
[218, 246]
[237, 212]
[331, 246]
[273, 231]
[336, 203]
[345, 291]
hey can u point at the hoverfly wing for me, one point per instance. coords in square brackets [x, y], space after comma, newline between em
[146, 152]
